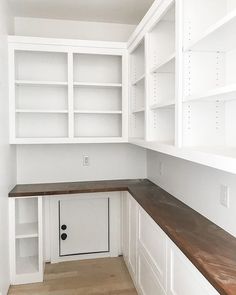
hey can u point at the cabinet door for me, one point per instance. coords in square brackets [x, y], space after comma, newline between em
[152, 242]
[183, 277]
[147, 280]
[84, 226]
[132, 217]
[125, 228]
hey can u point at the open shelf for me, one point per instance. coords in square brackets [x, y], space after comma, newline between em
[165, 66]
[26, 230]
[162, 125]
[98, 125]
[40, 67]
[162, 40]
[41, 125]
[103, 70]
[220, 36]
[27, 261]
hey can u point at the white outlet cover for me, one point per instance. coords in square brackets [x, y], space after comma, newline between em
[224, 196]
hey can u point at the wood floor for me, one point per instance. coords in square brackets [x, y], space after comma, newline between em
[107, 276]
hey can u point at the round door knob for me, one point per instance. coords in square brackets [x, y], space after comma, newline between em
[63, 227]
[64, 237]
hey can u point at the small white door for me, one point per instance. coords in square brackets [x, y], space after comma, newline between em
[84, 226]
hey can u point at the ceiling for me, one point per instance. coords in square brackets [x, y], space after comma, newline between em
[115, 11]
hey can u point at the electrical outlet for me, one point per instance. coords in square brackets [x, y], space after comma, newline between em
[161, 168]
[86, 160]
[224, 195]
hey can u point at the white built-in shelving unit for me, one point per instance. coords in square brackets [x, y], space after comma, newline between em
[180, 77]
[68, 92]
[209, 99]
[137, 91]
[25, 223]
[189, 100]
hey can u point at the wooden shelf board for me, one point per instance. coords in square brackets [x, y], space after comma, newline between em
[87, 84]
[46, 83]
[168, 104]
[26, 230]
[163, 67]
[219, 37]
[138, 80]
[221, 93]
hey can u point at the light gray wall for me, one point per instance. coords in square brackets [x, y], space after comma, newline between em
[196, 185]
[53, 28]
[58, 163]
[7, 153]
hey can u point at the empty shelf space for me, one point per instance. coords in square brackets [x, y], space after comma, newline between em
[29, 82]
[219, 93]
[26, 230]
[160, 105]
[27, 265]
[87, 84]
[219, 36]
[166, 66]
[138, 80]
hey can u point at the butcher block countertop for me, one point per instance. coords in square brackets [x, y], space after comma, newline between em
[211, 249]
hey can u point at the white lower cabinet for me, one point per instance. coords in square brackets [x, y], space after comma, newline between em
[156, 264]
[183, 276]
[85, 226]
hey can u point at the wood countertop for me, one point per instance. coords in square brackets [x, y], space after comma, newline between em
[211, 249]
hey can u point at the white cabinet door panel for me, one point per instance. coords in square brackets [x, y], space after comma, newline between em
[147, 280]
[152, 241]
[132, 234]
[87, 222]
[183, 276]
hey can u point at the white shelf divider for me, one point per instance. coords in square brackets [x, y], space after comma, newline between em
[162, 105]
[88, 84]
[42, 111]
[38, 83]
[96, 112]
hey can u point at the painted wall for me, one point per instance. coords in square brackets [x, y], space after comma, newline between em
[196, 185]
[57, 163]
[53, 28]
[7, 153]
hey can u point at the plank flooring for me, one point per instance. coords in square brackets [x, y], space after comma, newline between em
[105, 276]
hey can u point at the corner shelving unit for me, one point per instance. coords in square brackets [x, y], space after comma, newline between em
[210, 94]
[26, 247]
[137, 92]
[69, 93]
[161, 79]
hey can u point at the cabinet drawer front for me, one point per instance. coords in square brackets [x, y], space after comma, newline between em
[147, 280]
[184, 278]
[152, 241]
